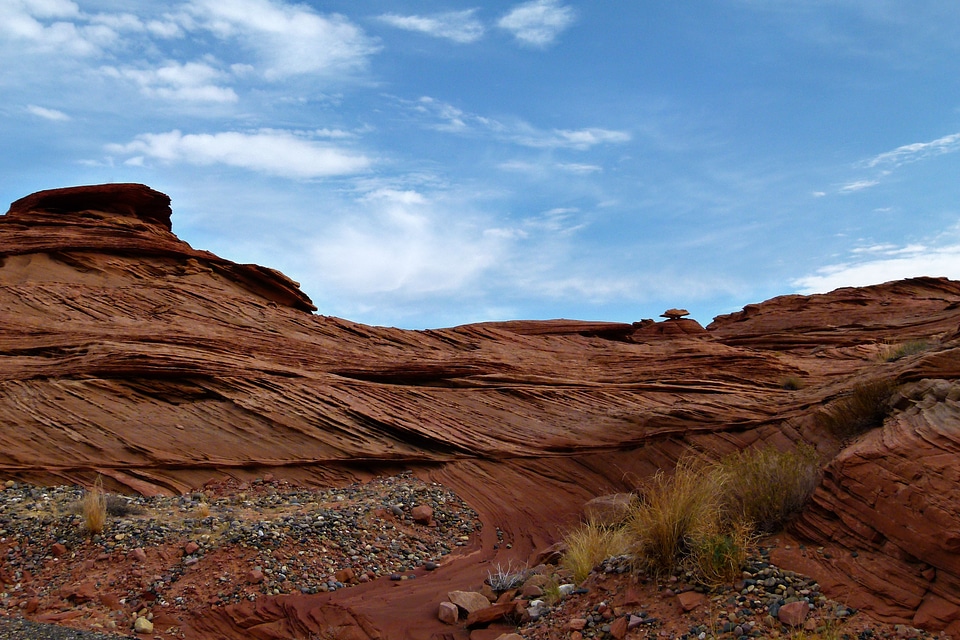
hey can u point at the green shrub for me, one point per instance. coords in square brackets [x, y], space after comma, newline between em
[865, 408]
[719, 557]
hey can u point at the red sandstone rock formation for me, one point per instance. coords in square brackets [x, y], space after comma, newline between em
[128, 353]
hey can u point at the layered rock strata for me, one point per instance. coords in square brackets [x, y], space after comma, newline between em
[127, 353]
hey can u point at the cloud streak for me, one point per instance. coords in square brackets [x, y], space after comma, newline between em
[459, 26]
[278, 153]
[917, 151]
[48, 114]
[447, 117]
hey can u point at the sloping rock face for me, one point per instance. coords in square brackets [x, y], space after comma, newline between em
[125, 352]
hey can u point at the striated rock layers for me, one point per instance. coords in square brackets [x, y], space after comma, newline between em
[125, 352]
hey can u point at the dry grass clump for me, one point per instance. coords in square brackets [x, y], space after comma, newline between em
[703, 516]
[589, 545]
[865, 408]
[765, 487]
[673, 512]
[95, 507]
[902, 350]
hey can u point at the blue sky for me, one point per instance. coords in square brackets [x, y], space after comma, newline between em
[433, 163]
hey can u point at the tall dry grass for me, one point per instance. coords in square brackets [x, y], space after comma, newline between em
[590, 544]
[94, 507]
[704, 516]
[674, 511]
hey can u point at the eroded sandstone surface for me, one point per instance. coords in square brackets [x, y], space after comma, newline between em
[127, 353]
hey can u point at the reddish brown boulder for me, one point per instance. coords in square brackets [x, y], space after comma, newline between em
[690, 600]
[793, 614]
[491, 613]
[422, 514]
[448, 613]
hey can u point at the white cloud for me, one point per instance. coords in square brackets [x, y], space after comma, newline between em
[48, 114]
[883, 264]
[272, 152]
[859, 185]
[44, 26]
[402, 242]
[189, 82]
[289, 39]
[459, 26]
[538, 23]
[917, 151]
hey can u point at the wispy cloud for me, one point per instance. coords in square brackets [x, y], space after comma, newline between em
[570, 138]
[447, 117]
[459, 26]
[538, 23]
[279, 153]
[858, 185]
[876, 264]
[48, 114]
[191, 82]
[917, 151]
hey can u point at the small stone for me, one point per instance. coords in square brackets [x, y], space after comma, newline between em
[58, 549]
[793, 613]
[254, 576]
[191, 548]
[138, 555]
[430, 566]
[422, 514]
[618, 629]
[575, 624]
[142, 625]
[690, 600]
[448, 613]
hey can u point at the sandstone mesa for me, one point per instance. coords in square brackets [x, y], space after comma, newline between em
[129, 354]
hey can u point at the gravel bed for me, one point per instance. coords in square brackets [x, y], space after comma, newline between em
[225, 542]
[20, 629]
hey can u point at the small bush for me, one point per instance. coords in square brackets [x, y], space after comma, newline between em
[765, 487]
[895, 352]
[95, 508]
[502, 579]
[118, 506]
[719, 556]
[591, 544]
[865, 408]
[791, 383]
